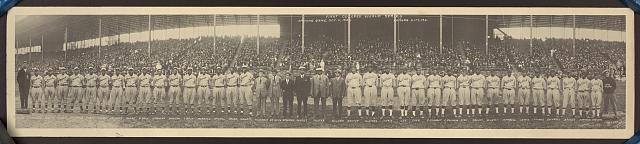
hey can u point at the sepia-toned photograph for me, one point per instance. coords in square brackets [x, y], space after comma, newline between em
[413, 71]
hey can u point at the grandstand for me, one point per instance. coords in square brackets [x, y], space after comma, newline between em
[445, 42]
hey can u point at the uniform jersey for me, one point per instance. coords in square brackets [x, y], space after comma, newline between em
[596, 85]
[117, 80]
[131, 80]
[91, 80]
[218, 80]
[508, 82]
[203, 80]
[538, 83]
[568, 83]
[104, 80]
[232, 79]
[246, 79]
[464, 81]
[477, 81]
[434, 81]
[174, 80]
[159, 80]
[584, 84]
[189, 80]
[387, 80]
[76, 80]
[524, 82]
[370, 79]
[354, 80]
[145, 80]
[50, 81]
[404, 80]
[36, 81]
[449, 82]
[553, 82]
[63, 79]
[493, 82]
[418, 81]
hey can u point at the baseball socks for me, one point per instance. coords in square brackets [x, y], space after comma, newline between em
[348, 111]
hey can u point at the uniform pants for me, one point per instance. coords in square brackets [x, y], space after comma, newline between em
[477, 96]
[449, 97]
[174, 96]
[75, 96]
[370, 94]
[158, 96]
[354, 96]
[492, 96]
[144, 95]
[569, 98]
[403, 95]
[246, 95]
[50, 95]
[35, 94]
[434, 95]
[583, 99]
[596, 99]
[386, 97]
[464, 94]
[417, 98]
[218, 97]
[131, 96]
[103, 96]
[188, 95]
[523, 96]
[509, 96]
[553, 98]
[115, 99]
[90, 97]
[538, 97]
[203, 96]
[232, 94]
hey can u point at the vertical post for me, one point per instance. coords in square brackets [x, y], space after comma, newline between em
[349, 33]
[30, 49]
[149, 42]
[573, 39]
[452, 45]
[258, 38]
[214, 33]
[440, 27]
[42, 47]
[395, 33]
[99, 34]
[530, 34]
[486, 34]
[66, 43]
[302, 33]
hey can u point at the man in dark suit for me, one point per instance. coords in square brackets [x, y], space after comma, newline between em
[303, 90]
[23, 86]
[288, 87]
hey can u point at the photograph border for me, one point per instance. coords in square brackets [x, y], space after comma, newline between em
[625, 133]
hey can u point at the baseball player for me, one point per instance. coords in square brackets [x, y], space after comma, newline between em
[203, 91]
[144, 92]
[91, 81]
[175, 99]
[35, 93]
[130, 91]
[275, 92]
[584, 87]
[117, 91]
[354, 80]
[569, 94]
[388, 81]
[404, 91]
[62, 89]
[434, 93]
[370, 90]
[477, 91]
[464, 93]
[76, 92]
[219, 86]
[524, 83]
[232, 90]
[553, 94]
[189, 90]
[596, 96]
[246, 90]
[539, 85]
[104, 81]
[449, 99]
[49, 90]
[418, 84]
[159, 83]
[493, 92]
[509, 92]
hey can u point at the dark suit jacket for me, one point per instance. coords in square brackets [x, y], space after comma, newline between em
[303, 86]
[287, 88]
[23, 79]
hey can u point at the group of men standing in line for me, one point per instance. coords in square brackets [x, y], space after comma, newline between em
[414, 92]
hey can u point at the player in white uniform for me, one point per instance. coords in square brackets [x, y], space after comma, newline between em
[388, 82]
[354, 82]
[175, 93]
[477, 92]
[91, 82]
[370, 90]
[569, 94]
[509, 92]
[49, 90]
[202, 91]
[404, 91]
[76, 93]
[596, 96]
[418, 84]
[35, 93]
[434, 93]
[246, 90]
[539, 85]
[144, 92]
[464, 93]
[117, 91]
[493, 93]
[219, 86]
[62, 89]
[189, 90]
[524, 92]
[449, 99]
[553, 94]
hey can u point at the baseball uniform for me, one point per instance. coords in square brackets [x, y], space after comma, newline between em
[35, 93]
[553, 91]
[404, 89]
[508, 89]
[245, 90]
[596, 93]
[62, 90]
[493, 93]
[354, 94]
[464, 93]
[91, 91]
[103, 90]
[370, 88]
[49, 91]
[449, 93]
[434, 92]
[386, 97]
[584, 87]
[477, 89]
[538, 91]
[417, 98]
[524, 93]
[131, 90]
